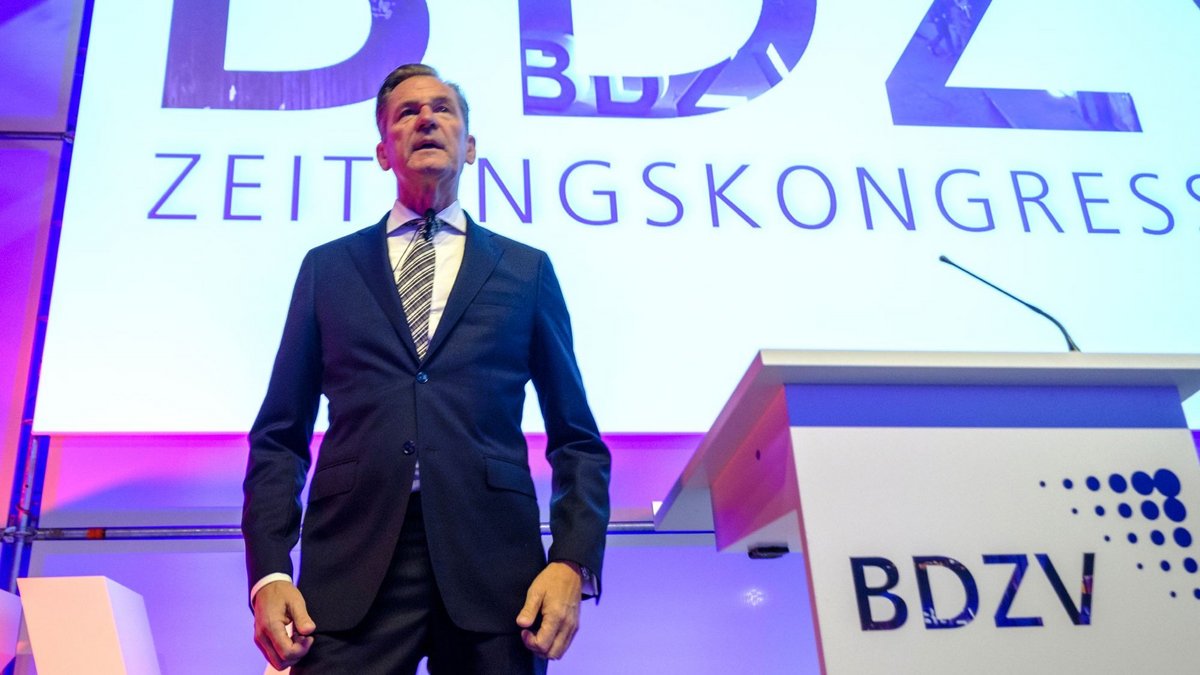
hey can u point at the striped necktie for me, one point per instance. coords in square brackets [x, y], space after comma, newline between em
[415, 282]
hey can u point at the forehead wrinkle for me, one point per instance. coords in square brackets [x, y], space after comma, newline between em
[418, 102]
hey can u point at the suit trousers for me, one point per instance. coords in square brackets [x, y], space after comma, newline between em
[407, 622]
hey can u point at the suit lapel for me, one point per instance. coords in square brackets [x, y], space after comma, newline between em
[369, 252]
[480, 256]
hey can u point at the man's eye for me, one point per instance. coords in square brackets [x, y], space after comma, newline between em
[407, 112]
[443, 108]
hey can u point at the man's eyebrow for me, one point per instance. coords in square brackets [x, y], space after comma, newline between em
[412, 102]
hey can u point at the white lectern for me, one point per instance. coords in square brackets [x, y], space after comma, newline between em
[982, 513]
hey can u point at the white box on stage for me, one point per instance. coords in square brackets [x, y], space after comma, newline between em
[87, 625]
[10, 626]
[982, 513]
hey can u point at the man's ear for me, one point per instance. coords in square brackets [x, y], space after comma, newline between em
[381, 156]
[470, 149]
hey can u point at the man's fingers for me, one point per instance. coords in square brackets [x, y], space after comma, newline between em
[562, 640]
[555, 595]
[283, 629]
[533, 603]
[564, 626]
[267, 647]
[282, 643]
[298, 611]
[557, 632]
[551, 625]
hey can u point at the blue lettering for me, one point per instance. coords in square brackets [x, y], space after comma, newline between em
[971, 606]
[1191, 187]
[863, 593]
[1020, 563]
[1081, 615]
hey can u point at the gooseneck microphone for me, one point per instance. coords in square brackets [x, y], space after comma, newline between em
[1071, 346]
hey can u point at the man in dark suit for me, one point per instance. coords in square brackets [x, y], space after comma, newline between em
[421, 536]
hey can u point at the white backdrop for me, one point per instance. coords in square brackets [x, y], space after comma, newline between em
[171, 324]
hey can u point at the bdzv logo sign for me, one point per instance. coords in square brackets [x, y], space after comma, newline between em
[917, 91]
[1080, 614]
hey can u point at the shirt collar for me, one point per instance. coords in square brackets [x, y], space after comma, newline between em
[452, 216]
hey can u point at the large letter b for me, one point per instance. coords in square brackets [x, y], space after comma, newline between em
[196, 76]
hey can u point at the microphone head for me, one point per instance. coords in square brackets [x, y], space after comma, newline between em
[943, 259]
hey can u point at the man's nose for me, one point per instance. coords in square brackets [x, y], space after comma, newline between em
[425, 117]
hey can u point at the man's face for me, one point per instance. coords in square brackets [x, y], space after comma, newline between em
[424, 139]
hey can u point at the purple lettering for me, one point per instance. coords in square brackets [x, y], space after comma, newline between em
[1133, 187]
[485, 168]
[607, 107]
[987, 206]
[295, 188]
[772, 50]
[1036, 199]
[663, 193]
[787, 213]
[715, 193]
[546, 105]
[612, 196]
[196, 76]
[347, 175]
[1084, 201]
[905, 219]
[919, 95]
[231, 184]
[155, 212]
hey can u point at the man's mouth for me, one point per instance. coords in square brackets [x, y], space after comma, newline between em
[428, 145]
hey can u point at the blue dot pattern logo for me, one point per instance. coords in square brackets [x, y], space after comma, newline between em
[1151, 515]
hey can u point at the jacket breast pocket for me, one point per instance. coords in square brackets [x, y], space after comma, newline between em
[501, 297]
[505, 475]
[333, 480]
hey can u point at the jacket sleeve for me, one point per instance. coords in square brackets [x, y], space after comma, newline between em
[279, 440]
[579, 460]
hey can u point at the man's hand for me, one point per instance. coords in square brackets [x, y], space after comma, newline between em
[276, 605]
[555, 595]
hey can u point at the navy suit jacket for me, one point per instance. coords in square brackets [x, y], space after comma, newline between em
[458, 410]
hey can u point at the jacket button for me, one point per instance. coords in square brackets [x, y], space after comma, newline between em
[409, 447]
[422, 377]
